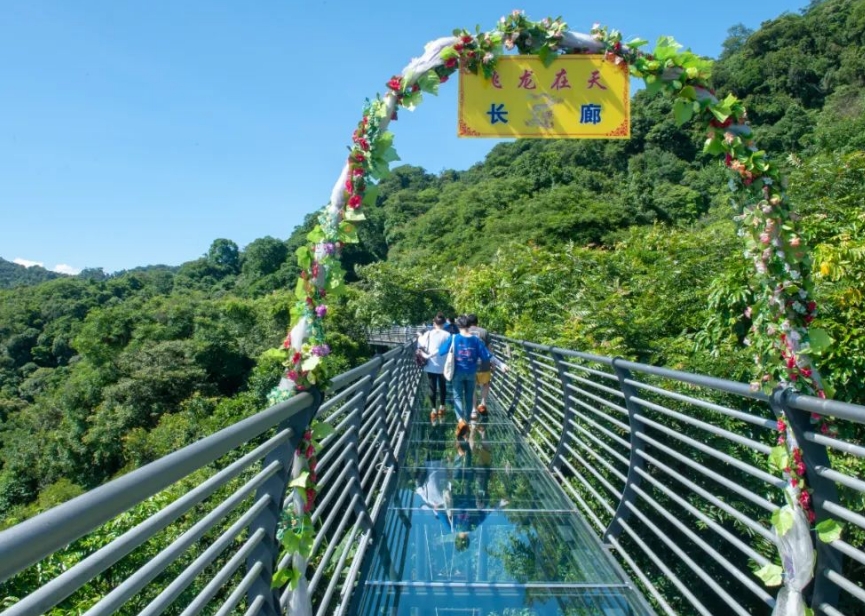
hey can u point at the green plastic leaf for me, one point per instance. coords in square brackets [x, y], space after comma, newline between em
[683, 111]
[713, 146]
[316, 235]
[354, 215]
[429, 82]
[782, 520]
[300, 289]
[772, 575]
[290, 541]
[829, 530]
[304, 257]
[819, 341]
[300, 481]
[322, 430]
[371, 195]
[281, 578]
[779, 459]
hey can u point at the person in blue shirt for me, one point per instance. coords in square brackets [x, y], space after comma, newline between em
[468, 349]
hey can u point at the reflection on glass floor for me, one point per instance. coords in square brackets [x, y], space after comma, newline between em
[478, 527]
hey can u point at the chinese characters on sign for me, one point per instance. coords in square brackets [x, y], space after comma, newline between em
[577, 96]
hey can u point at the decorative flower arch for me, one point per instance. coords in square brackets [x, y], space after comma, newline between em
[783, 309]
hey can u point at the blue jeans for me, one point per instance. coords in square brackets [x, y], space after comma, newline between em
[464, 391]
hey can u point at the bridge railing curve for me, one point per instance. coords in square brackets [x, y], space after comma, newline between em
[197, 529]
[670, 469]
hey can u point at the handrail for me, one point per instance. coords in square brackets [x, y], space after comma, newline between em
[220, 489]
[666, 466]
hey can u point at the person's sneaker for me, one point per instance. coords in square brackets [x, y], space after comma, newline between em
[442, 410]
[433, 416]
[462, 428]
[474, 415]
[482, 409]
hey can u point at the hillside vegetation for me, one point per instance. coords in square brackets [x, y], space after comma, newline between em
[624, 247]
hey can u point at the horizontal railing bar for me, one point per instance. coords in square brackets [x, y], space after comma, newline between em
[844, 584]
[828, 610]
[849, 551]
[340, 565]
[324, 504]
[333, 544]
[759, 591]
[576, 425]
[730, 485]
[710, 428]
[601, 479]
[600, 443]
[337, 449]
[605, 463]
[731, 387]
[609, 418]
[337, 511]
[831, 443]
[54, 591]
[608, 390]
[598, 399]
[606, 361]
[223, 575]
[581, 502]
[830, 408]
[845, 514]
[845, 480]
[710, 406]
[659, 563]
[689, 562]
[182, 581]
[138, 580]
[34, 539]
[254, 607]
[709, 497]
[641, 576]
[340, 401]
[604, 375]
[776, 482]
[238, 593]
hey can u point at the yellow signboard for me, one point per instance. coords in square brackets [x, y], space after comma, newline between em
[576, 97]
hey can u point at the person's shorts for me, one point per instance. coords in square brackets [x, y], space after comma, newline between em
[482, 378]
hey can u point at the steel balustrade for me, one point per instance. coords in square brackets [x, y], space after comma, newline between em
[667, 466]
[222, 499]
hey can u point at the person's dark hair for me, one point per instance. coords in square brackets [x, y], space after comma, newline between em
[463, 322]
[439, 319]
[473, 320]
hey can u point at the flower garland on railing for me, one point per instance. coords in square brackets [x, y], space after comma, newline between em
[781, 316]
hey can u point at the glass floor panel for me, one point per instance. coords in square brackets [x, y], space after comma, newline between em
[477, 526]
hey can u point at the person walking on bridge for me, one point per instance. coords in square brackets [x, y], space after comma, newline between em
[468, 349]
[430, 343]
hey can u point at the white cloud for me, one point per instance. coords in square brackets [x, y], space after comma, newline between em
[62, 268]
[27, 262]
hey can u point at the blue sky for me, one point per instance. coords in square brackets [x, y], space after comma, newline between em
[136, 133]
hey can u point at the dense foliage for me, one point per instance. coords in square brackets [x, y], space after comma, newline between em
[15, 275]
[622, 248]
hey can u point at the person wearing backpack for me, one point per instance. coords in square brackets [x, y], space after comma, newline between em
[468, 350]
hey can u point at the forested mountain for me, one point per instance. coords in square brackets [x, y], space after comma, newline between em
[624, 248]
[14, 275]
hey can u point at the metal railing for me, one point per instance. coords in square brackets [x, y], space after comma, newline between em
[670, 468]
[197, 528]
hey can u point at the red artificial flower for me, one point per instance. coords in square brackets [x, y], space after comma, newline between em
[728, 159]
[443, 78]
[357, 171]
[363, 143]
[458, 46]
[395, 84]
[450, 62]
[393, 116]
[349, 187]
[354, 201]
[295, 359]
[812, 306]
[359, 157]
[466, 39]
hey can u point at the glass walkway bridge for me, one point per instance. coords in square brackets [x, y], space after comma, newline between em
[595, 486]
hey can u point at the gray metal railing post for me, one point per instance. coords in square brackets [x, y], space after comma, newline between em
[567, 405]
[536, 380]
[815, 457]
[267, 551]
[361, 508]
[636, 463]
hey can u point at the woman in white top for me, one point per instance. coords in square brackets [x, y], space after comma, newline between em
[429, 343]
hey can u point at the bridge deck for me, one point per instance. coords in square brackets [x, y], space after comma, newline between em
[478, 527]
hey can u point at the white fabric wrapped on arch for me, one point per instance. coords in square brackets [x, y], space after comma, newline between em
[797, 560]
